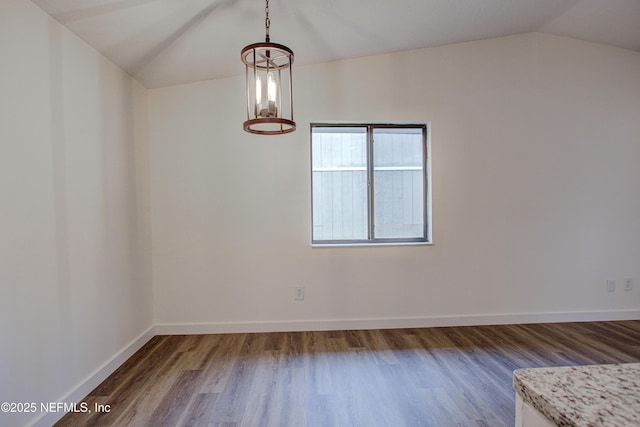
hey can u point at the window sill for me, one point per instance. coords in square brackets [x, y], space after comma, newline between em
[351, 245]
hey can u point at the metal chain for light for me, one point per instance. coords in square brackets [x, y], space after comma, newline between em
[267, 22]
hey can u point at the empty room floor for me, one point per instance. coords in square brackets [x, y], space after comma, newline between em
[448, 376]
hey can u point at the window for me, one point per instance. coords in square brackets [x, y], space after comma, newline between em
[369, 183]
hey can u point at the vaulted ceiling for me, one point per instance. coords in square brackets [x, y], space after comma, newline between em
[168, 42]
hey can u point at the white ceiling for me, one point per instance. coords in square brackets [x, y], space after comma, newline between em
[168, 42]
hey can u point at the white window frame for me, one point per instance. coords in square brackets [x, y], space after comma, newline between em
[371, 239]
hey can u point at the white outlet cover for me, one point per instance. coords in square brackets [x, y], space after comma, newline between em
[611, 285]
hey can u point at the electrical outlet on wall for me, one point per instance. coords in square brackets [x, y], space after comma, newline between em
[611, 285]
[628, 284]
[299, 294]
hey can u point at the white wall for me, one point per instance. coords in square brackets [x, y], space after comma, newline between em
[536, 200]
[75, 290]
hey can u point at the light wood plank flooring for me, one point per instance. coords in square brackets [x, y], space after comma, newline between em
[456, 376]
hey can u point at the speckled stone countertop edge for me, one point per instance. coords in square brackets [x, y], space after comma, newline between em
[573, 395]
[539, 402]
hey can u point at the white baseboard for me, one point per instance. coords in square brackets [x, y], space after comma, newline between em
[393, 323]
[81, 390]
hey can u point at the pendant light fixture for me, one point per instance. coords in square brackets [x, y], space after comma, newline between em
[269, 86]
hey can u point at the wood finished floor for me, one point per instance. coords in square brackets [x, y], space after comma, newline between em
[456, 376]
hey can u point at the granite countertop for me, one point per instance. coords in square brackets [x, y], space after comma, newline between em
[593, 396]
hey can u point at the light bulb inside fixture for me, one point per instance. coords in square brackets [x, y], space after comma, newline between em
[271, 88]
[258, 91]
[272, 110]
